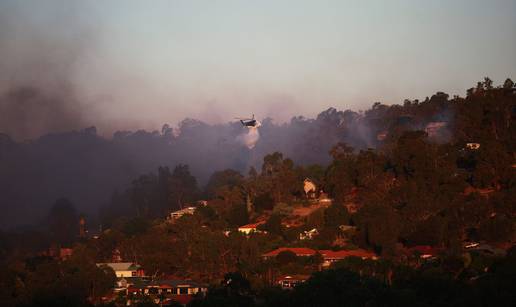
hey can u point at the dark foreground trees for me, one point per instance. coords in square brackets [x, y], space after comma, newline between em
[356, 284]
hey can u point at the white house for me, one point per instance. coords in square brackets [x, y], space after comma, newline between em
[309, 188]
[250, 228]
[124, 269]
[179, 213]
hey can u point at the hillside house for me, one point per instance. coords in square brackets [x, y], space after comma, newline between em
[331, 256]
[309, 188]
[299, 251]
[290, 281]
[166, 291]
[124, 269]
[179, 213]
[250, 228]
[308, 234]
[473, 146]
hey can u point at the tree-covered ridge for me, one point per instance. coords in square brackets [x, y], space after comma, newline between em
[86, 167]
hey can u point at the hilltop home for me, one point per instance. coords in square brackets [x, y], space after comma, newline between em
[124, 269]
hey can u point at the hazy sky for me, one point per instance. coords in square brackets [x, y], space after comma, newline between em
[144, 63]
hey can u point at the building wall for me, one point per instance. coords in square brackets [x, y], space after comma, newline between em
[124, 273]
[246, 230]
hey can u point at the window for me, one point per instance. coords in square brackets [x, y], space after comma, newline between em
[183, 290]
[153, 291]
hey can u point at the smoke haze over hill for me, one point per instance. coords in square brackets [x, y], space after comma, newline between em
[126, 65]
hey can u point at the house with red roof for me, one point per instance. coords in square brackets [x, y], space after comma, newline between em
[299, 251]
[331, 256]
[250, 228]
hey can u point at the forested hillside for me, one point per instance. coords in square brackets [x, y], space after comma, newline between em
[87, 168]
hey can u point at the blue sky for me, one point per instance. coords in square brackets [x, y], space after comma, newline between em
[144, 63]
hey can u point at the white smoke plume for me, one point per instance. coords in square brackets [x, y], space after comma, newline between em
[250, 138]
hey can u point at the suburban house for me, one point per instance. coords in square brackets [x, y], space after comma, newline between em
[290, 281]
[166, 291]
[250, 228]
[299, 251]
[473, 146]
[331, 256]
[309, 188]
[124, 269]
[179, 213]
[308, 234]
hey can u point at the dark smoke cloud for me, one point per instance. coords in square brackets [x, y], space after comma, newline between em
[38, 54]
[27, 111]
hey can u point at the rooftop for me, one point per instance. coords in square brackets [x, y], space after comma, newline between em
[251, 226]
[299, 251]
[120, 266]
[330, 254]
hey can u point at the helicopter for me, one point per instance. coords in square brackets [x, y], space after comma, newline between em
[249, 122]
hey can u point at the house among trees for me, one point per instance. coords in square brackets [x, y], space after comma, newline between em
[308, 234]
[166, 291]
[473, 146]
[179, 213]
[124, 269]
[250, 228]
[331, 256]
[310, 188]
[290, 281]
[298, 251]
